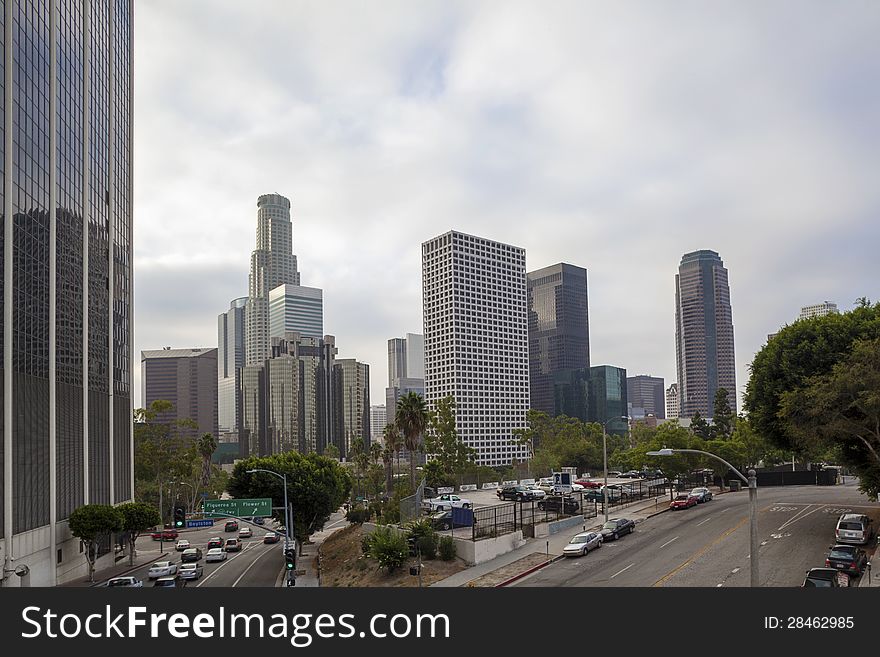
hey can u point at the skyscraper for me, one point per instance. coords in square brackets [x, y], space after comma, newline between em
[703, 333]
[608, 401]
[559, 340]
[406, 369]
[818, 310]
[351, 381]
[672, 401]
[296, 308]
[646, 393]
[66, 254]
[476, 339]
[230, 360]
[378, 421]
[272, 264]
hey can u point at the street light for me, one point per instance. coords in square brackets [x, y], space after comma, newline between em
[605, 459]
[192, 488]
[283, 477]
[752, 482]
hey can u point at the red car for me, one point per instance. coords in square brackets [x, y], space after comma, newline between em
[589, 484]
[683, 501]
[165, 535]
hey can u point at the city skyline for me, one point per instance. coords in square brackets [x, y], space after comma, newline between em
[420, 125]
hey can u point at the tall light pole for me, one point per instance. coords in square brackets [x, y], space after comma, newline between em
[283, 477]
[192, 488]
[605, 459]
[752, 482]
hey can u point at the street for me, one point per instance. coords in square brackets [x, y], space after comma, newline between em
[708, 545]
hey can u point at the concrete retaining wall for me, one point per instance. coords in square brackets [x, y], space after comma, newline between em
[477, 552]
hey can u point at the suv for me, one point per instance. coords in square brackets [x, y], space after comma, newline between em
[853, 528]
[557, 502]
[232, 545]
[516, 493]
[231, 526]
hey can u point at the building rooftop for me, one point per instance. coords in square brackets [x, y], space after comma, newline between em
[168, 352]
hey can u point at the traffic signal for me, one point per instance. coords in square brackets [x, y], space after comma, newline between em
[290, 558]
[179, 515]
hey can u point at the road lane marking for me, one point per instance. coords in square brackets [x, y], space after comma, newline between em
[620, 571]
[667, 543]
[734, 571]
[265, 552]
[718, 586]
[793, 520]
[705, 521]
[226, 561]
[724, 510]
[700, 552]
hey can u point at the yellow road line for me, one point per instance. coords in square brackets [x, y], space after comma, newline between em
[700, 552]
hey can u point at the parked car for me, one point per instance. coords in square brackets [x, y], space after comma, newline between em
[162, 569]
[545, 484]
[516, 493]
[232, 545]
[125, 582]
[172, 581]
[537, 493]
[442, 521]
[215, 554]
[271, 537]
[191, 571]
[824, 578]
[447, 501]
[182, 544]
[854, 528]
[651, 474]
[848, 559]
[215, 542]
[576, 487]
[683, 501]
[191, 554]
[586, 483]
[231, 526]
[582, 543]
[564, 503]
[702, 494]
[613, 473]
[245, 532]
[165, 535]
[632, 474]
[617, 527]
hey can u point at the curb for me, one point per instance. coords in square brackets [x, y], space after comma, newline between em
[125, 572]
[531, 570]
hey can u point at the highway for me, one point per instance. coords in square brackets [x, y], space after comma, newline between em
[708, 545]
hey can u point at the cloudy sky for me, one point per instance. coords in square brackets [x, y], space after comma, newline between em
[614, 136]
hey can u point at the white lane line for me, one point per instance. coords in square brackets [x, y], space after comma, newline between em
[705, 521]
[723, 510]
[218, 568]
[718, 586]
[667, 543]
[333, 524]
[265, 552]
[620, 571]
[795, 519]
[795, 516]
[734, 571]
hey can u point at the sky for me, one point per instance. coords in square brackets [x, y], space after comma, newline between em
[612, 136]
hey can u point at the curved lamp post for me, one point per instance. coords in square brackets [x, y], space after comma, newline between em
[605, 459]
[752, 482]
[283, 477]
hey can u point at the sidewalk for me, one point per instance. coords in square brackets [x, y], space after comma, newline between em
[554, 544]
[117, 570]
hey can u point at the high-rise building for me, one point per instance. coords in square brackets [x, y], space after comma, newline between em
[672, 401]
[608, 400]
[294, 308]
[703, 333]
[648, 394]
[406, 369]
[230, 360]
[396, 360]
[351, 380]
[66, 252]
[272, 264]
[818, 310]
[476, 340]
[559, 340]
[188, 379]
[378, 421]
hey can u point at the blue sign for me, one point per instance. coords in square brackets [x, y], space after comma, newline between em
[200, 523]
[204, 496]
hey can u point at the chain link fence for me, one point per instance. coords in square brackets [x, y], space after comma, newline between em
[411, 507]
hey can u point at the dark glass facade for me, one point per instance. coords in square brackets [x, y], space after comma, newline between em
[608, 398]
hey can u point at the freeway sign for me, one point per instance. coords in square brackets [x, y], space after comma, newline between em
[238, 508]
[199, 523]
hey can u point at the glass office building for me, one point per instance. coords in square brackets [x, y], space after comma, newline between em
[608, 398]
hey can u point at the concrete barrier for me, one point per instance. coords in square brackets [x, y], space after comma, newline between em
[549, 528]
[526, 482]
[444, 490]
[477, 552]
[509, 483]
[466, 487]
[490, 485]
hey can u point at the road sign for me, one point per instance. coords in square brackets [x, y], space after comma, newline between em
[238, 508]
[199, 523]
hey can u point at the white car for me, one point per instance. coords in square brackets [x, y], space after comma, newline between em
[162, 569]
[182, 545]
[191, 571]
[446, 502]
[582, 543]
[576, 488]
[125, 582]
[545, 484]
[215, 554]
[537, 492]
[245, 532]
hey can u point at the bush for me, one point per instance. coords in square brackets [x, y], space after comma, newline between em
[366, 544]
[424, 538]
[358, 515]
[447, 548]
[389, 548]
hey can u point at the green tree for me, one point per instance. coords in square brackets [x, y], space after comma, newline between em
[723, 416]
[317, 486]
[412, 419]
[394, 443]
[137, 517]
[450, 455]
[206, 446]
[673, 436]
[331, 451]
[700, 428]
[93, 523]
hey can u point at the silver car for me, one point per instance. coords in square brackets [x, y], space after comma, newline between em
[191, 571]
[162, 569]
[582, 543]
[702, 494]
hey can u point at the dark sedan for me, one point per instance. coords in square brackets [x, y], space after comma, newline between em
[824, 578]
[556, 503]
[617, 527]
[516, 493]
[848, 559]
[190, 555]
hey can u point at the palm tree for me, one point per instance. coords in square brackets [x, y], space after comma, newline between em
[412, 418]
[387, 459]
[375, 452]
[393, 443]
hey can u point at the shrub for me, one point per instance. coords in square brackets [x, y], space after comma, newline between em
[358, 515]
[423, 537]
[366, 544]
[389, 548]
[447, 548]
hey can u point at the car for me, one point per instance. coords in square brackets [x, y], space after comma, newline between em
[576, 487]
[271, 537]
[825, 578]
[191, 571]
[537, 493]
[258, 520]
[447, 501]
[165, 535]
[442, 521]
[848, 559]
[582, 543]
[215, 542]
[516, 493]
[564, 503]
[613, 473]
[172, 581]
[586, 483]
[232, 545]
[245, 532]
[191, 554]
[162, 569]
[215, 554]
[182, 545]
[545, 484]
[702, 494]
[651, 474]
[683, 501]
[230, 526]
[598, 494]
[617, 527]
[632, 474]
[125, 582]
[854, 528]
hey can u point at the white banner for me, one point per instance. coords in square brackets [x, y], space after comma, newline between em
[509, 483]
[444, 490]
[490, 485]
[466, 487]
[526, 482]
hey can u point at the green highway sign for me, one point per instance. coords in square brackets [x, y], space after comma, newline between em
[238, 508]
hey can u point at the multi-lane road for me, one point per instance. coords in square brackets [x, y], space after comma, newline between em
[708, 545]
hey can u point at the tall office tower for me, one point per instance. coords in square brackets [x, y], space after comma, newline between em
[378, 421]
[351, 381]
[818, 310]
[672, 401]
[294, 308]
[703, 333]
[396, 360]
[230, 360]
[476, 339]
[406, 370]
[559, 340]
[647, 393]
[188, 379]
[608, 400]
[272, 264]
[66, 199]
